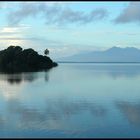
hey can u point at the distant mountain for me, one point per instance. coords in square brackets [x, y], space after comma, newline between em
[114, 54]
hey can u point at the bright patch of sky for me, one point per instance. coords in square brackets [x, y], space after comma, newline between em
[66, 28]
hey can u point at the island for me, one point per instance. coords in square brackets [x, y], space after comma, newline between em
[15, 59]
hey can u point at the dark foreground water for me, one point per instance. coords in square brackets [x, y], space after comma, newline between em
[72, 101]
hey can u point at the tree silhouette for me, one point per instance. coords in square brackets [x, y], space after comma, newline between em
[46, 52]
[15, 59]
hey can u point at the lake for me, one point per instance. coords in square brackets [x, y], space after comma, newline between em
[73, 100]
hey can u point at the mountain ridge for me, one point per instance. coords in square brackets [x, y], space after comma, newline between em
[114, 54]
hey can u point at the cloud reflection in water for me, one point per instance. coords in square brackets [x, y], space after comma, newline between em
[55, 115]
[131, 111]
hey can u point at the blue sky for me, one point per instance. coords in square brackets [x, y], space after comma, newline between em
[66, 28]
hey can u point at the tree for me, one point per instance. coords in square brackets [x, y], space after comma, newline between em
[15, 59]
[46, 52]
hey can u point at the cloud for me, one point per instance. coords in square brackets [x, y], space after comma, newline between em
[3, 5]
[15, 30]
[19, 38]
[121, 33]
[68, 15]
[16, 33]
[25, 10]
[54, 13]
[130, 14]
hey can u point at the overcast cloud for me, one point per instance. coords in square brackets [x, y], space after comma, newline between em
[130, 13]
[54, 14]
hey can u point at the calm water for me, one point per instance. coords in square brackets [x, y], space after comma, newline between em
[72, 101]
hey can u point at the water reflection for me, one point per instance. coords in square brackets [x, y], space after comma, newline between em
[75, 101]
[65, 107]
[113, 70]
[26, 77]
[2, 122]
[54, 115]
[131, 111]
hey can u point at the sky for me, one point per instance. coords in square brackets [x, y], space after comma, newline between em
[67, 28]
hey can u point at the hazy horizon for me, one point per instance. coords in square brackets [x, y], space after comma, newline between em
[114, 54]
[66, 28]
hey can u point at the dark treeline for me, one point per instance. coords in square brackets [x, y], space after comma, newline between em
[15, 59]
